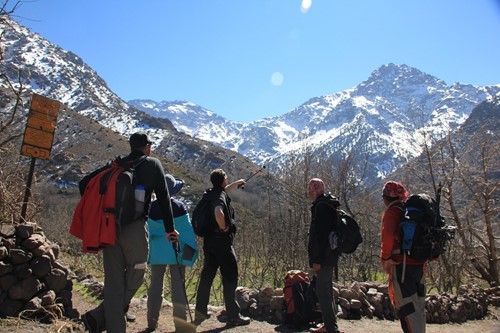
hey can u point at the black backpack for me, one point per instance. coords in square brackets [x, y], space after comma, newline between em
[424, 234]
[348, 233]
[126, 208]
[347, 236]
[203, 219]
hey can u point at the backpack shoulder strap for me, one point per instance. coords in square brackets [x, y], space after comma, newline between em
[127, 162]
[138, 161]
[329, 204]
[400, 206]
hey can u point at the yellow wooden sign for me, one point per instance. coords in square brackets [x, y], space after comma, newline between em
[40, 127]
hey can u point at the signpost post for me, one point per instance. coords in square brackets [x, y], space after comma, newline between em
[38, 137]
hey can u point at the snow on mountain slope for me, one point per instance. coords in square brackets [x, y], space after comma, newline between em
[49, 70]
[385, 120]
[392, 114]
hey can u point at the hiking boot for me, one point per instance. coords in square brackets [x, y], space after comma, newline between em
[238, 321]
[200, 317]
[130, 317]
[90, 323]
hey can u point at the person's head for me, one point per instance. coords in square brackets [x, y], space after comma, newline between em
[140, 142]
[393, 191]
[218, 178]
[174, 184]
[316, 187]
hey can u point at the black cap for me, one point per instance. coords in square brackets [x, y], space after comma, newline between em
[138, 141]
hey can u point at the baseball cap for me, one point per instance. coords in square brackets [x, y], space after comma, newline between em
[139, 140]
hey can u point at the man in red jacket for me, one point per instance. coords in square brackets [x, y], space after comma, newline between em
[406, 277]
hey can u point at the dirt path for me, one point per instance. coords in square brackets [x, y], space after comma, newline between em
[138, 307]
[489, 325]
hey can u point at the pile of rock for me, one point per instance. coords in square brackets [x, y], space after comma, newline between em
[371, 300]
[33, 282]
[470, 303]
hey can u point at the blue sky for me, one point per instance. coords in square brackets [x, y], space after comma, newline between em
[248, 60]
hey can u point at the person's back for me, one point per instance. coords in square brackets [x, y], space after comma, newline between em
[125, 261]
[161, 254]
[219, 252]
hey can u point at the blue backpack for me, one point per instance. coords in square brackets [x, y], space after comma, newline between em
[424, 233]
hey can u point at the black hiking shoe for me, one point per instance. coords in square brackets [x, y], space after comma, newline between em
[200, 317]
[238, 321]
[90, 323]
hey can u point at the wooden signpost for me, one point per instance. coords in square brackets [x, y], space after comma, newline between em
[38, 137]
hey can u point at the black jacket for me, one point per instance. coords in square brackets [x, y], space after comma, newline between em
[219, 197]
[150, 174]
[323, 221]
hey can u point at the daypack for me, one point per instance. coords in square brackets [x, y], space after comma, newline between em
[203, 219]
[424, 235]
[348, 233]
[108, 199]
[347, 236]
[301, 307]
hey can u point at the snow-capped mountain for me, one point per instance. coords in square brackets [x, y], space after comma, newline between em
[51, 71]
[34, 65]
[384, 120]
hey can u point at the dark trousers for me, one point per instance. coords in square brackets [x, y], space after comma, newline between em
[219, 253]
[324, 292]
[124, 268]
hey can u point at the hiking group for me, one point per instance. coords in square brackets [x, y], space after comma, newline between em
[159, 232]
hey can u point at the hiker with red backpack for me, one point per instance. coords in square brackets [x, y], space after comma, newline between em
[322, 258]
[405, 274]
[125, 260]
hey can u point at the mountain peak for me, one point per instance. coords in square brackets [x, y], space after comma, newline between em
[390, 78]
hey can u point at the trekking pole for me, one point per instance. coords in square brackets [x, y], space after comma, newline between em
[177, 250]
[251, 176]
[438, 203]
[437, 218]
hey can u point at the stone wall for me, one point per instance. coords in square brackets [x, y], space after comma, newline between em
[33, 282]
[371, 300]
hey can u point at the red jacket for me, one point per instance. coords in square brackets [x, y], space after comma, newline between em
[391, 234]
[91, 223]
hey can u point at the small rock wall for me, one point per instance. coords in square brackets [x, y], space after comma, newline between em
[33, 282]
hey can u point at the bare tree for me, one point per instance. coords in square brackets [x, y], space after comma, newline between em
[12, 112]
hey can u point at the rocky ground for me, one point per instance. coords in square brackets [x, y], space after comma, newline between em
[491, 324]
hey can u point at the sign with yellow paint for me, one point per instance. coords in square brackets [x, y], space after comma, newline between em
[40, 127]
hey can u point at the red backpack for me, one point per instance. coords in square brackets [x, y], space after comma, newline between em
[300, 299]
[107, 200]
